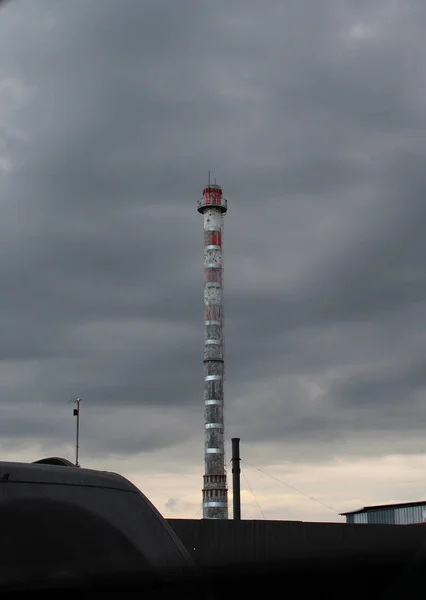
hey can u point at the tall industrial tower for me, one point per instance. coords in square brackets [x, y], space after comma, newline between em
[215, 492]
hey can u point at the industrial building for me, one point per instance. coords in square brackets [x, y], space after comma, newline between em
[408, 513]
[228, 542]
[316, 559]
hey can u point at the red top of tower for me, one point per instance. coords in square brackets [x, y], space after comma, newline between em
[212, 198]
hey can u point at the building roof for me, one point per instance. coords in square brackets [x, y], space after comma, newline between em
[66, 521]
[384, 507]
[42, 472]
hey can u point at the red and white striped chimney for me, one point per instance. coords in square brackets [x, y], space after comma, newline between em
[215, 491]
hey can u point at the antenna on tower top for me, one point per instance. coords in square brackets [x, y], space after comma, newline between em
[209, 178]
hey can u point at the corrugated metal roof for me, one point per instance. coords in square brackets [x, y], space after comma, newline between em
[315, 559]
[384, 507]
[226, 542]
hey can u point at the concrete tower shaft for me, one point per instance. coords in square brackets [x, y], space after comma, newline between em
[215, 492]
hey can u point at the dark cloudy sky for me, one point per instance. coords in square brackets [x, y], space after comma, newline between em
[312, 116]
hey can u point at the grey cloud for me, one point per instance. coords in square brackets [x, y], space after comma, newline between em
[171, 503]
[317, 140]
[388, 388]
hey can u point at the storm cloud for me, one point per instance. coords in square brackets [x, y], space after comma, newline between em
[312, 116]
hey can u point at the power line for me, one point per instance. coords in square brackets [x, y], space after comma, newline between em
[291, 487]
[251, 491]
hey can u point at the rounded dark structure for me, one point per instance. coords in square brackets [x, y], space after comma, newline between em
[74, 524]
